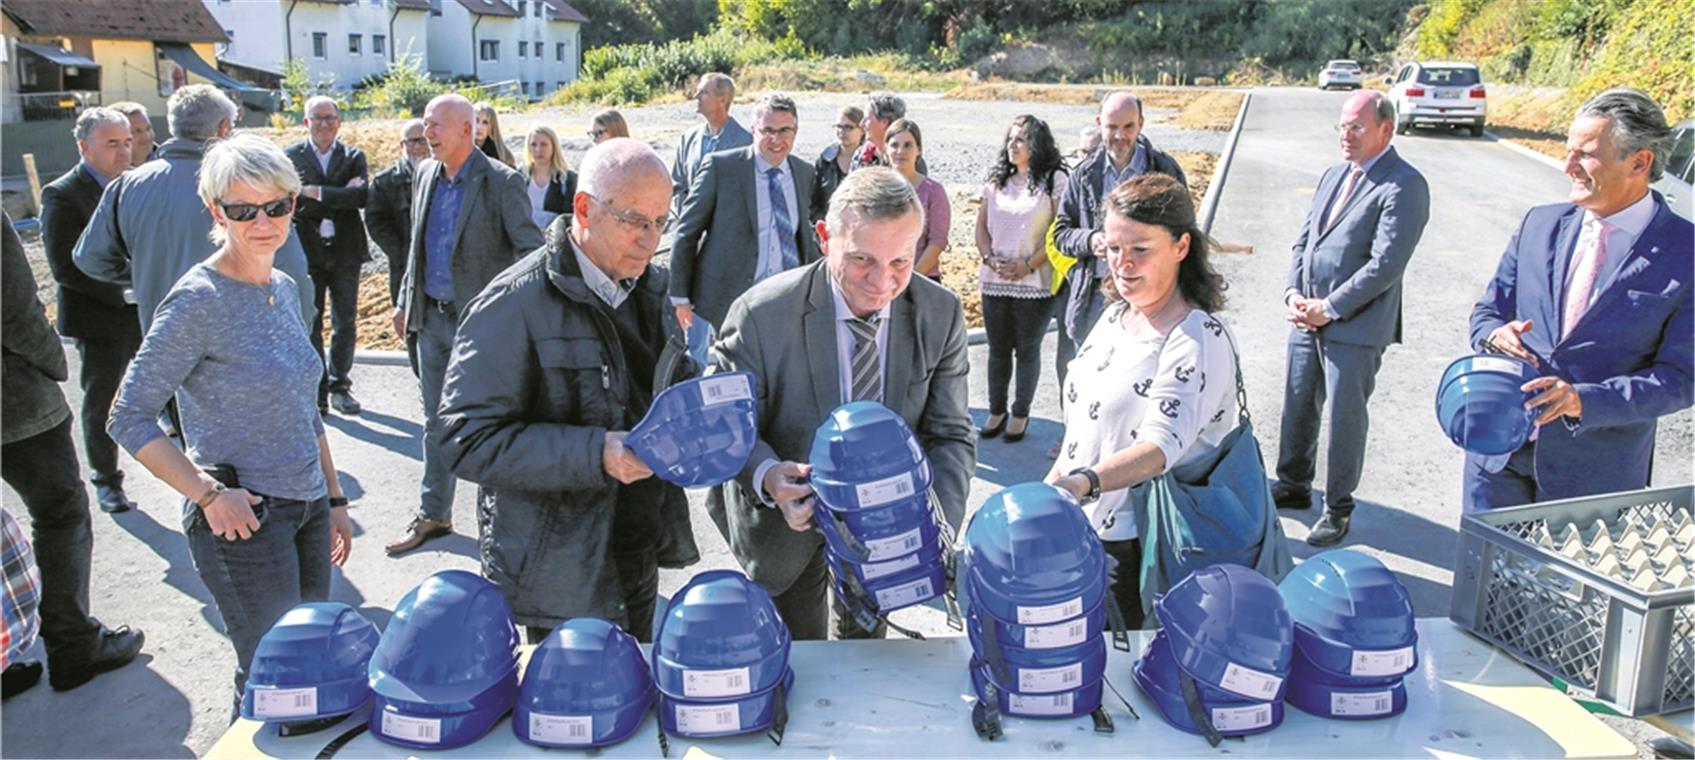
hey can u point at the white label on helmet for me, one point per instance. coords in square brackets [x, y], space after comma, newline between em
[1496, 364]
[894, 546]
[874, 570]
[708, 719]
[1372, 703]
[907, 593]
[561, 729]
[880, 492]
[271, 703]
[1250, 683]
[1051, 613]
[1389, 662]
[1241, 718]
[1056, 636]
[1046, 680]
[1043, 704]
[421, 730]
[725, 389]
[730, 682]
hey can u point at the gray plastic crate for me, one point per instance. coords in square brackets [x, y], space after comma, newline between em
[1631, 650]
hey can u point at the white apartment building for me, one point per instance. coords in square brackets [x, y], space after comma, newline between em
[537, 43]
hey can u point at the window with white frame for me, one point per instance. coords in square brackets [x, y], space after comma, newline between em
[435, 7]
[539, 6]
[541, 52]
[523, 49]
[379, 44]
[523, 7]
[559, 51]
[355, 42]
[488, 50]
[320, 45]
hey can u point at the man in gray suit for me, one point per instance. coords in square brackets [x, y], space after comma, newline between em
[470, 221]
[1344, 299]
[801, 333]
[743, 220]
[712, 96]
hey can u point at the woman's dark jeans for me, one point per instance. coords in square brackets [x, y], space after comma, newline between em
[253, 582]
[1015, 327]
[1124, 575]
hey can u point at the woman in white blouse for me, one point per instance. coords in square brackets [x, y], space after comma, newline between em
[1153, 385]
[551, 185]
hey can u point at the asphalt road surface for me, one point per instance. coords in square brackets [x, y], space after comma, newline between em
[174, 702]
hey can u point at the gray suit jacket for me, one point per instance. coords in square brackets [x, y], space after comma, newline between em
[715, 256]
[1357, 261]
[492, 232]
[798, 383]
[692, 153]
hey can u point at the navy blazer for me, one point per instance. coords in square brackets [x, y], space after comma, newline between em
[88, 308]
[1630, 357]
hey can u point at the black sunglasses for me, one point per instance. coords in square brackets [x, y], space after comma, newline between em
[247, 212]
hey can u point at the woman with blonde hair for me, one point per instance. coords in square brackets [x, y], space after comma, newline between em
[487, 135]
[606, 125]
[551, 184]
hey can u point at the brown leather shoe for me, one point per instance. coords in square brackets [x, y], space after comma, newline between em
[422, 529]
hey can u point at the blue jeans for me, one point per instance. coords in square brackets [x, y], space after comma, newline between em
[435, 348]
[253, 582]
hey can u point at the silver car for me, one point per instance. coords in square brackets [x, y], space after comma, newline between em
[1438, 93]
[1339, 73]
[1675, 185]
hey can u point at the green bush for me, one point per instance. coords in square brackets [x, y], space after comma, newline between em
[625, 74]
[404, 88]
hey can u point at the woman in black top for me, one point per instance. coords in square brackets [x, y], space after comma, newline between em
[487, 135]
[834, 162]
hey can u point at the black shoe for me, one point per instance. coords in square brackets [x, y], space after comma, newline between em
[344, 403]
[1018, 435]
[18, 678]
[1330, 529]
[1289, 497]
[114, 650]
[991, 431]
[111, 497]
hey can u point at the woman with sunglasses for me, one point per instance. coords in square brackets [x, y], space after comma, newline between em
[837, 159]
[606, 125]
[263, 512]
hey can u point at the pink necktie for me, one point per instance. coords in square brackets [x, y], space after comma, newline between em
[1341, 200]
[1583, 279]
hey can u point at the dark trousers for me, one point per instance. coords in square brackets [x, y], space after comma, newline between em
[396, 274]
[1065, 349]
[638, 572]
[43, 470]
[103, 364]
[1334, 380]
[1014, 327]
[802, 606]
[342, 285]
[1124, 577]
[1514, 484]
[253, 582]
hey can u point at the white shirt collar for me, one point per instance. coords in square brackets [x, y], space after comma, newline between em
[613, 293]
[1632, 219]
[324, 154]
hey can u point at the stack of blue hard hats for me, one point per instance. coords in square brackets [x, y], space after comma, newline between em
[446, 669]
[882, 538]
[1479, 404]
[1032, 580]
[309, 669]
[587, 685]
[1354, 637]
[721, 659]
[699, 432]
[1218, 665]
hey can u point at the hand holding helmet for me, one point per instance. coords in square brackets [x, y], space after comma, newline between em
[787, 485]
[620, 462]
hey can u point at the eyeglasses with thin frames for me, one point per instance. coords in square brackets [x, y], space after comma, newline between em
[635, 222]
[1353, 129]
[785, 132]
[247, 212]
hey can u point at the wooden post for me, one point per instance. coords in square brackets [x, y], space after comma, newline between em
[34, 182]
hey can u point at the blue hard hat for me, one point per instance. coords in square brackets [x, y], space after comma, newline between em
[587, 685]
[1344, 702]
[310, 665]
[1161, 679]
[1479, 404]
[1031, 557]
[864, 457]
[914, 583]
[1067, 703]
[1229, 628]
[758, 711]
[1067, 633]
[446, 669]
[699, 432]
[720, 637]
[1041, 671]
[1353, 619]
[886, 539]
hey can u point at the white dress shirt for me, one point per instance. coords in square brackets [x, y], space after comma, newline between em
[326, 228]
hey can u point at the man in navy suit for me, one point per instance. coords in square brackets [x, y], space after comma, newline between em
[1596, 293]
[1344, 300]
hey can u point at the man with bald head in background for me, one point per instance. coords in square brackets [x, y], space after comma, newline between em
[470, 220]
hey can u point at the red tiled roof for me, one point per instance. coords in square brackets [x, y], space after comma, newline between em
[489, 8]
[562, 11]
[157, 20]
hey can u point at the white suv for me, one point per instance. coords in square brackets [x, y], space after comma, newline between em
[1678, 184]
[1438, 92]
[1340, 73]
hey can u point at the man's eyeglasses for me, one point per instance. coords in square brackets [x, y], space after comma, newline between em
[785, 132]
[635, 222]
[1353, 129]
[247, 212]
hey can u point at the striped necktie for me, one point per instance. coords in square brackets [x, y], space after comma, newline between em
[781, 223]
[867, 375]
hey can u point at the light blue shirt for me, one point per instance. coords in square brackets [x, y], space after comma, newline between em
[98, 177]
[439, 234]
[770, 245]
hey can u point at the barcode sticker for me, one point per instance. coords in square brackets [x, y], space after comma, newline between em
[725, 389]
[1496, 364]
[874, 570]
[1041, 704]
[1250, 683]
[421, 730]
[1051, 613]
[730, 682]
[1373, 703]
[561, 729]
[271, 703]
[1391, 662]
[894, 546]
[1045, 680]
[1241, 718]
[708, 719]
[880, 492]
[1056, 636]
[895, 597]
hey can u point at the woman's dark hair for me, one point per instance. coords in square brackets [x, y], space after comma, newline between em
[1160, 200]
[1045, 158]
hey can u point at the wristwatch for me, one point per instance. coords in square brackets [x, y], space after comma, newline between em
[1094, 493]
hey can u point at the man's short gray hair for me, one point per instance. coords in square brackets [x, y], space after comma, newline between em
[94, 117]
[194, 112]
[721, 84]
[411, 125]
[1637, 124]
[130, 108]
[313, 101]
[244, 158]
[775, 101]
[610, 167]
[875, 194]
[886, 106]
